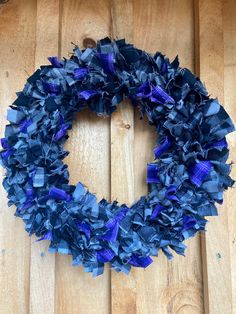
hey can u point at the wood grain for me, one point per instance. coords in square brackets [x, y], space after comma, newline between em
[229, 23]
[17, 33]
[42, 271]
[215, 244]
[76, 291]
[164, 287]
[123, 288]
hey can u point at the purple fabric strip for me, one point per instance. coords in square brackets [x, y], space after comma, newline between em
[29, 192]
[80, 73]
[152, 172]
[139, 261]
[58, 194]
[4, 143]
[118, 218]
[24, 125]
[144, 90]
[111, 234]
[199, 171]
[47, 236]
[113, 226]
[159, 150]
[154, 93]
[55, 62]
[160, 96]
[220, 143]
[51, 88]
[60, 133]
[157, 209]
[105, 255]
[84, 227]
[87, 94]
[188, 222]
[7, 153]
[26, 205]
[107, 62]
[170, 193]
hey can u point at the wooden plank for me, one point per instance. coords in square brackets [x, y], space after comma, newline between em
[178, 287]
[123, 288]
[83, 22]
[215, 243]
[165, 287]
[42, 274]
[229, 20]
[17, 32]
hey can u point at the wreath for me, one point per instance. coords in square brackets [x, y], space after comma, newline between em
[186, 178]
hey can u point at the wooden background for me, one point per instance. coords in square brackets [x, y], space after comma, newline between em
[109, 156]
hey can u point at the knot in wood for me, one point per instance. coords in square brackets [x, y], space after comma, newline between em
[89, 43]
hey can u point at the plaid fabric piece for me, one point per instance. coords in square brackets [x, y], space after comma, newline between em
[4, 143]
[87, 94]
[55, 62]
[152, 171]
[24, 125]
[105, 255]
[58, 194]
[51, 88]
[156, 211]
[220, 143]
[47, 236]
[139, 261]
[5, 154]
[80, 73]
[39, 177]
[159, 150]
[159, 95]
[107, 62]
[14, 116]
[199, 171]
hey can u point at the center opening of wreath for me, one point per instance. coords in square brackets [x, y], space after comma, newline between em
[109, 155]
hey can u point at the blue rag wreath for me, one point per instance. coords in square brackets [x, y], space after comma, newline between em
[187, 177]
